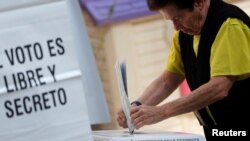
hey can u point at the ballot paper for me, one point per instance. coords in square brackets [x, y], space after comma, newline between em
[121, 74]
[147, 135]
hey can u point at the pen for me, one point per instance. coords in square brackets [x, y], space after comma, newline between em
[131, 131]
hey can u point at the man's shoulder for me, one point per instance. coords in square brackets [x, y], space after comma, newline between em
[230, 22]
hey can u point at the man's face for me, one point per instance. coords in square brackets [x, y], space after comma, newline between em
[186, 20]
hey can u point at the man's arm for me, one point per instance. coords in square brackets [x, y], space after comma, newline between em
[216, 89]
[160, 88]
[156, 92]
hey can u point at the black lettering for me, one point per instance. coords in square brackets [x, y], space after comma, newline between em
[52, 71]
[24, 80]
[31, 78]
[59, 42]
[38, 48]
[52, 92]
[10, 56]
[7, 86]
[52, 54]
[14, 80]
[37, 102]
[18, 106]
[39, 76]
[21, 80]
[62, 96]
[45, 101]
[28, 50]
[10, 112]
[25, 99]
[20, 55]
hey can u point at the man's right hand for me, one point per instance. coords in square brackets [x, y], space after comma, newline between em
[121, 119]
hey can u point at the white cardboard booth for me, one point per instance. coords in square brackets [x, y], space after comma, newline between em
[49, 85]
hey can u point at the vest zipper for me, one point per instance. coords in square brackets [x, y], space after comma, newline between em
[196, 113]
[210, 114]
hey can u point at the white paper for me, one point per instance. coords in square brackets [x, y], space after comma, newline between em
[123, 95]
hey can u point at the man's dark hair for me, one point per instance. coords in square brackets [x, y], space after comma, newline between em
[180, 4]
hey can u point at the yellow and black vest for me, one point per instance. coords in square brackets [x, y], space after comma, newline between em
[233, 110]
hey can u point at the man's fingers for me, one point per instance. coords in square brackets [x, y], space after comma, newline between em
[122, 122]
[135, 109]
[121, 118]
[138, 119]
[139, 125]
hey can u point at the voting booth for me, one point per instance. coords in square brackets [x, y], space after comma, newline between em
[150, 135]
[49, 85]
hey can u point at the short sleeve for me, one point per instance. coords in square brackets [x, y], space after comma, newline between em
[174, 62]
[230, 54]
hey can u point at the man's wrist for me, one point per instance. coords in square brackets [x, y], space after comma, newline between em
[136, 103]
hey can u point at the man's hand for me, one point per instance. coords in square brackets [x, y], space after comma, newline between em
[121, 119]
[146, 115]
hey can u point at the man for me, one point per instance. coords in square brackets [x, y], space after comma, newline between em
[211, 50]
